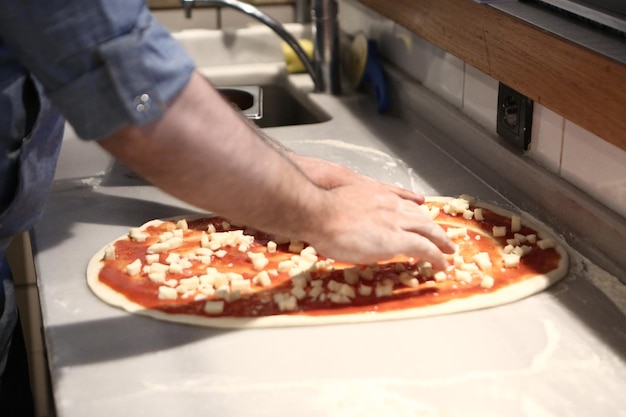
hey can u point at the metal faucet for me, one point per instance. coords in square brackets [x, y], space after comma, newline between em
[325, 66]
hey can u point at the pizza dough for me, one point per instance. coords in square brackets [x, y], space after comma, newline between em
[414, 295]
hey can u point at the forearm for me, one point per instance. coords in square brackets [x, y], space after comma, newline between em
[203, 153]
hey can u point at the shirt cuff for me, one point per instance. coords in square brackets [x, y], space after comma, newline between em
[139, 73]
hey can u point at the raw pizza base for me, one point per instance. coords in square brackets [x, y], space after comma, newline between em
[505, 295]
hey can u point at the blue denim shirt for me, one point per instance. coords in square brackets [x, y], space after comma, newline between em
[101, 64]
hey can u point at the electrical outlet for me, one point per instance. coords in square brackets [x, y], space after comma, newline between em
[515, 117]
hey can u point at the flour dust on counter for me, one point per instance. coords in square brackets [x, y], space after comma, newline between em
[204, 270]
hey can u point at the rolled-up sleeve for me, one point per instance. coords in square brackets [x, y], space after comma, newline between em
[104, 64]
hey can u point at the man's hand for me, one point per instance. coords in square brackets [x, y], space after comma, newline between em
[377, 220]
[329, 175]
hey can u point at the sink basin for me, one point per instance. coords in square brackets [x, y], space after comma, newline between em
[282, 107]
[253, 57]
[274, 105]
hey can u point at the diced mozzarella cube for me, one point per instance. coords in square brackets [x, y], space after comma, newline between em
[470, 267]
[347, 290]
[295, 246]
[351, 275]
[241, 285]
[511, 260]
[408, 280]
[299, 281]
[152, 258]
[469, 198]
[167, 293]
[214, 307]
[258, 259]
[532, 238]
[384, 289]
[498, 231]
[182, 225]
[463, 276]
[487, 281]
[468, 214]
[157, 277]
[546, 243]
[456, 232]
[367, 273]
[440, 276]
[425, 269]
[516, 223]
[190, 283]
[109, 253]
[339, 298]
[225, 225]
[134, 267]
[458, 206]
[483, 261]
[478, 214]
[298, 292]
[220, 253]
[285, 266]
[271, 246]
[288, 303]
[365, 290]
[263, 279]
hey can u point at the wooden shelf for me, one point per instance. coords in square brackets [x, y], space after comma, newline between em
[585, 87]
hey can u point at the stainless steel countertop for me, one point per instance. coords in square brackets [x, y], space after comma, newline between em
[559, 353]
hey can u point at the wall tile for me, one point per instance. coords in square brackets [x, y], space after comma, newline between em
[547, 138]
[480, 97]
[437, 69]
[595, 166]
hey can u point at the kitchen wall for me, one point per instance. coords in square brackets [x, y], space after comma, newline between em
[590, 163]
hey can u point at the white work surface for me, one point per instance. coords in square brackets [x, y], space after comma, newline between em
[559, 353]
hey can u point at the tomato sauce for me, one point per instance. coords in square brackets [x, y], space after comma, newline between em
[259, 302]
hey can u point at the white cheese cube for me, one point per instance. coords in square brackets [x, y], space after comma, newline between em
[546, 243]
[440, 276]
[109, 253]
[298, 292]
[351, 275]
[408, 280]
[271, 246]
[214, 307]
[190, 283]
[167, 293]
[384, 289]
[511, 260]
[347, 290]
[471, 200]
[365, 290]
[532, 238]
[295, 246]
[182, 224]
[463, 276]
[258, 259]
[468, 214]
[516, 223]
[425, 269]
[134, 267]
[285, 266]
[241, 285]
[299, 281]
[487, 281]
[157, 277]
[478, 214]
[498, 231]
[263, 279]
[483, 261]
[339, 298]
[367, 273]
